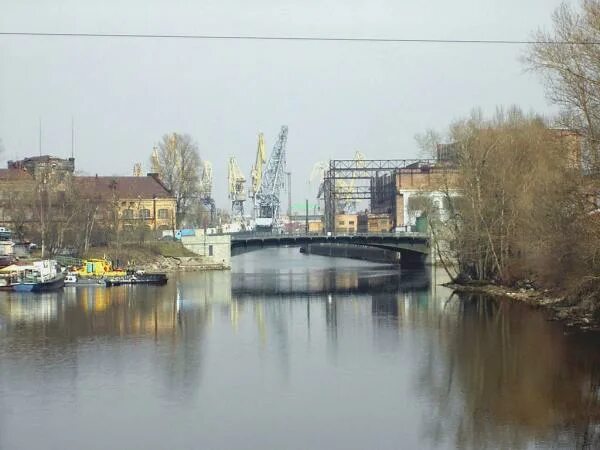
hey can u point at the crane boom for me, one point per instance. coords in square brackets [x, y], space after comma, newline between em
[257, 169]
[267, 197]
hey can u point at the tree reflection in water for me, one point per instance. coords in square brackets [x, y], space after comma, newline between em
[502, 376]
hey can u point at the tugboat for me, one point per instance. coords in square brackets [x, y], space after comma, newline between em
[42, 276]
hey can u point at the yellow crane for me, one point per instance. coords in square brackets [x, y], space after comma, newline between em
[237, 192]
[156, 162]
[257, 168]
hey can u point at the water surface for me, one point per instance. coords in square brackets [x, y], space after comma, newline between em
[290, 351]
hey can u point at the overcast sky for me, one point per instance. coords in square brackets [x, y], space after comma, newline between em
[336, 98]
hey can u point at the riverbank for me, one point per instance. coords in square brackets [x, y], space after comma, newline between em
[155, 256]
[577, 309]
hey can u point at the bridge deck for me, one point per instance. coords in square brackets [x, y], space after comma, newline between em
[401, 242]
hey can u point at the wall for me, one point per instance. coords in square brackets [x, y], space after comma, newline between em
[137, 205]
[203, 245]
[428, 181]
[346, 223]
[315, 226]
[379, 223]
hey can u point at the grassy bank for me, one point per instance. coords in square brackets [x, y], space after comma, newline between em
[136, 254]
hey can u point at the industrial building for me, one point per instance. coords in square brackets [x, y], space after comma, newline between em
[392, 187]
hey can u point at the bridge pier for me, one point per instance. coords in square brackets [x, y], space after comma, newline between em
[404, 258]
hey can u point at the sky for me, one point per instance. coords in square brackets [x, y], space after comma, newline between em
[335, 97]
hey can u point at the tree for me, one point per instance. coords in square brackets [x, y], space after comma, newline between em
[177, 162]
[571, 70]
[519, 210]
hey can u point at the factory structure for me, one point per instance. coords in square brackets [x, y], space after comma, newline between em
[356, 195]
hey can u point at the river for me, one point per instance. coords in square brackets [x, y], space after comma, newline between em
[289, 351]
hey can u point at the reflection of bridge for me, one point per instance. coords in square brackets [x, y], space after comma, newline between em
[413, 247]
[330, 281]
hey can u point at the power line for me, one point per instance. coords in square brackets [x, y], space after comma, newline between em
[295, 38]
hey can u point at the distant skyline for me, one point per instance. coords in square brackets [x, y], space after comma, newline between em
[335, 97]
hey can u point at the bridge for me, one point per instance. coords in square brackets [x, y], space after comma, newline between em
[412, 247]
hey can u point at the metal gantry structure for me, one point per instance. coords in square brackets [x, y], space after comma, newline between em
[237, 190]
[355, 179]
[267, 200]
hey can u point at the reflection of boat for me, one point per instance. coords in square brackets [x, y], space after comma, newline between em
[42, 276]
[138, 278]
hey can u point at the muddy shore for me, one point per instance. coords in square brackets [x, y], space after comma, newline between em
[576, 315]
[184, 263]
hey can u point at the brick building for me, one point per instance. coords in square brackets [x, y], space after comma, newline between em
[47, 180]
[394, 194]
[135, 199]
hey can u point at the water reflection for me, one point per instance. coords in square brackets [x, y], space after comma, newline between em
[501, 376]
[354, 355]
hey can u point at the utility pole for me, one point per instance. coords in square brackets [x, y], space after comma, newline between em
[72, 137]
[40, 137]
[306, 224]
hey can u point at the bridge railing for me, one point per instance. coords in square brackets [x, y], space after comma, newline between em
[266, 234]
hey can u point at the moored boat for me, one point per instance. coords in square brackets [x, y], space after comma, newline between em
[157, 279]
[7, 247]
[73, 280]
[41, 276]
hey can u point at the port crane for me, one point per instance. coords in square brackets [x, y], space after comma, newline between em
[267, 200]
[257, 168]
[205, 189]
[237, 193]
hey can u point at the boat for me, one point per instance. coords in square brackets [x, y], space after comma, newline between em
[73, 280]
[41, 276]
[96, 268]
[8, 281]
[139, 277]
[7, 247]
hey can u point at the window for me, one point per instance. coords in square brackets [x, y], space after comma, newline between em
[351, 222]
[210, 250]
[128, 213]
[341, 222]
[144, 213]
[163, 213]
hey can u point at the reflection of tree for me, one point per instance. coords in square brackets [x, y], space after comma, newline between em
[502, 377]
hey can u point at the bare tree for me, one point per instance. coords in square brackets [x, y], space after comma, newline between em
[177, 162]
[518, 213]
[20, 212]
[570, 66]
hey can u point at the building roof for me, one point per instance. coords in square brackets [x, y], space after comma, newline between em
[123, 187]
[14, 175]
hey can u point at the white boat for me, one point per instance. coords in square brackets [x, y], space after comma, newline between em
[70, 279]
[41, 276]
